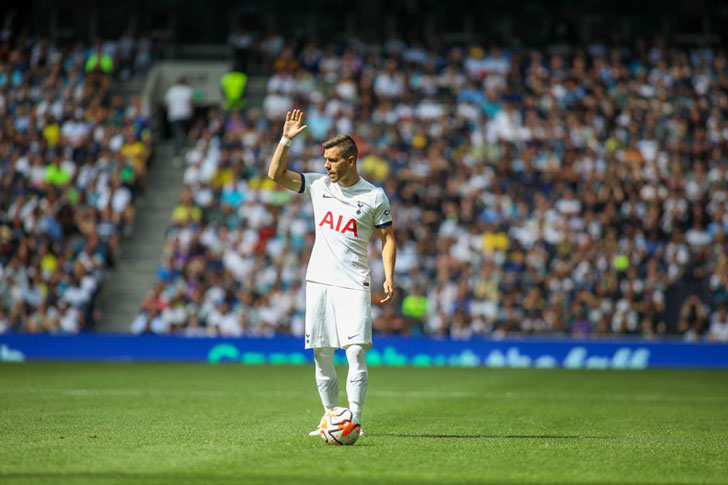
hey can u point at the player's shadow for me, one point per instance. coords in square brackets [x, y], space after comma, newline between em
[491, 437]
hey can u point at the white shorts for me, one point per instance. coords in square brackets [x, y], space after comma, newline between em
[337, 317]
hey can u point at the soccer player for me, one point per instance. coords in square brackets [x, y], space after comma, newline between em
[346, 209]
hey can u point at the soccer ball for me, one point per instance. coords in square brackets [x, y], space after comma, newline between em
[338, 427]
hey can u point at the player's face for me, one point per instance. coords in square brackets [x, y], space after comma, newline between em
[337, 167]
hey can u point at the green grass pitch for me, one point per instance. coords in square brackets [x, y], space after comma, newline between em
[189, 423]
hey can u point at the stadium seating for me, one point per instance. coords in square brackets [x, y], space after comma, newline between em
[582, 194]
[532, 193]
[73, 157]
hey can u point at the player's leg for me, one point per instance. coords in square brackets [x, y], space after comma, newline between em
[326, 379]
[355, 332]
[357, 379]
[320, 332]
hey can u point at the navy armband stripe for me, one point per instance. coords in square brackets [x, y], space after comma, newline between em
[303, 183]
[379, 226]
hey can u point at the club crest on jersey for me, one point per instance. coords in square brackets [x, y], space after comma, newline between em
[359, 205]
[350, 226]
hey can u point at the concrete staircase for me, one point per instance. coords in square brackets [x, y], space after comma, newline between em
[136, 267]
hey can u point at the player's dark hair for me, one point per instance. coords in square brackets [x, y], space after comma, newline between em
[345, 143]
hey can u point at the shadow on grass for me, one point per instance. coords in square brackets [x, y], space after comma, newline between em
[493, 437]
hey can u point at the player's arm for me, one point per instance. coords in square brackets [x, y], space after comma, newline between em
[277, 170]
[389, 255]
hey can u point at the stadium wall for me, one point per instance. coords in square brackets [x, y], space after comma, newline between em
[390, 351]
[203, 76]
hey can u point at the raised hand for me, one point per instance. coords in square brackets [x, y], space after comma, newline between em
[292, 127]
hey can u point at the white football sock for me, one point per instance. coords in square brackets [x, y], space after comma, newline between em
[326, 379]
[357, 380]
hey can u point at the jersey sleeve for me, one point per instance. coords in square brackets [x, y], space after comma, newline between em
[306, 180]
[382, 212]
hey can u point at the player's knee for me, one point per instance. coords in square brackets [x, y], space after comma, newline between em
[356, 354]
[323, 355]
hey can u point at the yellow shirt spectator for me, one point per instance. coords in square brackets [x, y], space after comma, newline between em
[136, 152]
[495, 241]
[183, 214]
[49, 264]
[375, 168]
[262, 183]
[222, 178]
[52, 133]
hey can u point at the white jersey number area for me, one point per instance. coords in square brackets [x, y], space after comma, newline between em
[345, 218]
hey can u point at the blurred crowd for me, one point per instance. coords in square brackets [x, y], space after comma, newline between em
[73, 157]
[583, 194]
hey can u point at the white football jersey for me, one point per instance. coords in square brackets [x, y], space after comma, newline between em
[345, 218]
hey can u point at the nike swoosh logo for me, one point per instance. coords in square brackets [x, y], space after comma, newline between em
[349, 338]
[328, 196]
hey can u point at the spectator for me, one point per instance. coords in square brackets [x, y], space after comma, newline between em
[178, 102]
[719, 324]
[66, 190]
[532, 193]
